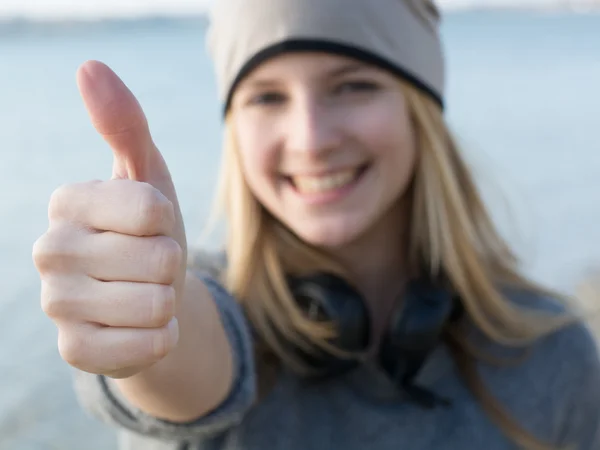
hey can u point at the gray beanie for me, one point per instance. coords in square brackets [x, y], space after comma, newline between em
[401, 36]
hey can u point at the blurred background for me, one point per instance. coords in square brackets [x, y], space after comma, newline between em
[524, 98]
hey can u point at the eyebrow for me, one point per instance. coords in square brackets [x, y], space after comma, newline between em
[343, 69]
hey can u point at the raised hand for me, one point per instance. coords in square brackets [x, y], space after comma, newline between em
[112, 262]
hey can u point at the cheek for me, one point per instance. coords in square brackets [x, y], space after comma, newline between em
[388, 135]
[259, 161]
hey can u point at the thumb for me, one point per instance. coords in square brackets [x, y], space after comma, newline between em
[119, 119]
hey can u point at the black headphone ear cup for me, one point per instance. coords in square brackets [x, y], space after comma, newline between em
[415, 329]
[329, 298]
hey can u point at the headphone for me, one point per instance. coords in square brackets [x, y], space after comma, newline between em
[414, 329]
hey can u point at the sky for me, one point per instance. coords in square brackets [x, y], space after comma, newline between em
[53, 9]
[97, 8]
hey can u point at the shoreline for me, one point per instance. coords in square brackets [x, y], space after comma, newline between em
[200, 15]
[23, 26]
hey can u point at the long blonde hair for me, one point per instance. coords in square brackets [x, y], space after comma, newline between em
[450, 231]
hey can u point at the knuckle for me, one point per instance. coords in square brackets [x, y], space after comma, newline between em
[59, 200]
[40, 253]
[73, 348]
[153, 209]
[163, 305]
[66, 199]
[55, 304]
[167, 256]
[54, 248]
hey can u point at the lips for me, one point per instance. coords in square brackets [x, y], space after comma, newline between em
[318, 184]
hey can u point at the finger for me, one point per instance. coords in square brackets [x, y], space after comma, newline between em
[107, 256]
[122, 206]
[107, 350]
[118, 257]
[114, 304]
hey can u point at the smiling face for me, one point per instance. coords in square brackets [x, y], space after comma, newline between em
[325, 143]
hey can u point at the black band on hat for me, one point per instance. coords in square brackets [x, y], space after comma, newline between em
[322, 46]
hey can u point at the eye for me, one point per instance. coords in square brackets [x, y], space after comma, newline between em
[356, 87]
[266, 98]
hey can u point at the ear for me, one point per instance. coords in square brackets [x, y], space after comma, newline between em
[427, 12]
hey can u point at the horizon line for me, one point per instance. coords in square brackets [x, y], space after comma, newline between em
[574, 6]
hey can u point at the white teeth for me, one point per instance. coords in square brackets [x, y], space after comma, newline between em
[316, 185]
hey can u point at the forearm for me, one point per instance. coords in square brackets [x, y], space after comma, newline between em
[197, 375]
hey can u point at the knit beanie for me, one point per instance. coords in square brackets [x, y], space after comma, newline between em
[401, 36]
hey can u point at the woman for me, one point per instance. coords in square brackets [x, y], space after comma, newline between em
[365, 299]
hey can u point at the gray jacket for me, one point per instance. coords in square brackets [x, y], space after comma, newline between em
[554, 394]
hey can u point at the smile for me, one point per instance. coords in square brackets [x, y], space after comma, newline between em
[319, 184]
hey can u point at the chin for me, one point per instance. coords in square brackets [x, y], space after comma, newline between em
[329, 236]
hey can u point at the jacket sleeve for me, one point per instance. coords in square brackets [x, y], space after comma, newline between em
[99, 397]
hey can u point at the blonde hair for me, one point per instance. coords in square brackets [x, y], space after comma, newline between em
[451, 232]
[588, 297]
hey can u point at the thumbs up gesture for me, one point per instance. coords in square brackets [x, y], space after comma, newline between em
[113, 259]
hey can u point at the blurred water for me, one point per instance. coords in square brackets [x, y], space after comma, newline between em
[524, 95]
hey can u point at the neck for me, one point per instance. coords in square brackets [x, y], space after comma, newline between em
[377, 264]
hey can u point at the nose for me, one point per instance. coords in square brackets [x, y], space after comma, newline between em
[312, 127]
